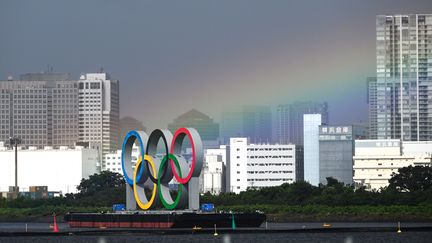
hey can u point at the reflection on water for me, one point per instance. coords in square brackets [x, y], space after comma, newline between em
[102, 240]
[349, 239]
[226, 238]
[417, 237]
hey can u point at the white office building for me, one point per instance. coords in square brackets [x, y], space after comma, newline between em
[237, 165]
[259, 165]
[113, 160]
[311, 123]
[376, 160]
[60, 169]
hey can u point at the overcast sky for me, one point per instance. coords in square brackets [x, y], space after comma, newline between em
[171, 56]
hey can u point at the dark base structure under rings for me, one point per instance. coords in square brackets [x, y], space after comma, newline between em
[156, 220]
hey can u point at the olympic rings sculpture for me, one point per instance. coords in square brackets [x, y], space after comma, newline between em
[150, 168]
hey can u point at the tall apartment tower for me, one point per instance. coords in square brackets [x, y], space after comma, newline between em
[99, 110]
[39, 108]
[404, 77]
[289, 127]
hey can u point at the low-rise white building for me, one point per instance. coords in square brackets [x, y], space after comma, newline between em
[212, 174]
[60, 169]
[376, 160]
[112, 161]
[259, 165]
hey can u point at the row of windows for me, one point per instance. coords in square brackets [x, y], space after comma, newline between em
[268, 149]
[271, 172]
[281, 179]
[270, 157]
[95, 105]
[29, 112]
[27, 97]
[33, 131]
[89, 114]
[94, 100]
[108, 163]
[92, 85]
[115, 169]
[16, 127]
[90, 109]
[28, 91]
[267, 164]
[34, 121]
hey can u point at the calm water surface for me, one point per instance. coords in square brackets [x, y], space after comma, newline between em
[417, 237]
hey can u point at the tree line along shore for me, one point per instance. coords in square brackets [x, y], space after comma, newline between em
[407, 198]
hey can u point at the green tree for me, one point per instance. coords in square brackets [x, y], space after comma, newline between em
[411, 179]
[99, 182]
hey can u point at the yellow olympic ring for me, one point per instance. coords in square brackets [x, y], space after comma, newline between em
[142, 205]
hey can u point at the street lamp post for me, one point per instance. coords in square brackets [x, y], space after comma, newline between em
[15, 141]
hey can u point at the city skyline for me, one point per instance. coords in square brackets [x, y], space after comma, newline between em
[205, 56]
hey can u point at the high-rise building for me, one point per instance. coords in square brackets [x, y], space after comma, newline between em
[253, 122]
[99, 110]
[207, 128]
[289, 128]
[311, 148]
[404, 77]
[48, 109]
[41, 109]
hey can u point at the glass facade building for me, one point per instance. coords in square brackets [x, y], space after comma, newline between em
[336, 150]
[404, 77]
[311, 147]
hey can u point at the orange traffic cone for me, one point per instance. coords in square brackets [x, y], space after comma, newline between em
[55, 228]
